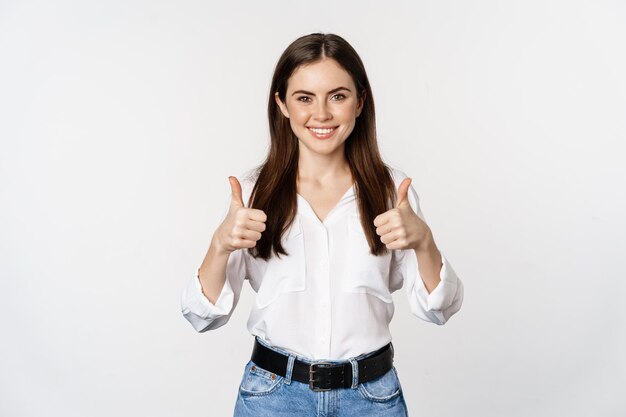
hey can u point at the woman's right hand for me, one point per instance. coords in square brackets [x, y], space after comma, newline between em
[242, 226]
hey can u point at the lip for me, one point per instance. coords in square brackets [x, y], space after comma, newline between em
[319, 136]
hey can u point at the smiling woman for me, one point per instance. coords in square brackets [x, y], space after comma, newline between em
[321, 103]
[325, 232]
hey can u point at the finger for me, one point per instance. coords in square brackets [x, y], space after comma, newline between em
[384, 229]
[393, 236]
[250, 234]
[257, 215]
[256, 226]
[396, 244]
[382, 219]
[244, 243]
[403, 191]
[387, 238]
[235, 187]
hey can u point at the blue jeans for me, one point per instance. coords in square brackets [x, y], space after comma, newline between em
[263, 393]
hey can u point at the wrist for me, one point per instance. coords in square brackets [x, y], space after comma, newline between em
[217, 248]
[426, 245]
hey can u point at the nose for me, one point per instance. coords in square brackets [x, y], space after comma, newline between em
[322, 112]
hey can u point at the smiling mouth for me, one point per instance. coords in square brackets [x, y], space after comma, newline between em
[322, 133]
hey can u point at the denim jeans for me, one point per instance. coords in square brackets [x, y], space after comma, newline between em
[263, 393]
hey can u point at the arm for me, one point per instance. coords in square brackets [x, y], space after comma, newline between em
[210, 297]
[222, 272]
[212, 272]
[434, 290]
[438, 304]
[429, 262]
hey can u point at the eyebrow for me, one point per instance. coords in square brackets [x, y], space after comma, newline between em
[334, 90]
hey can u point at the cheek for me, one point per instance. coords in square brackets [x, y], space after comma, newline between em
[297, 125]
[294, 124]
[349, 118]
[349, 112]
[297, 116]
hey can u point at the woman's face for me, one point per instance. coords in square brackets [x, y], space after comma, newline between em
[322, 106]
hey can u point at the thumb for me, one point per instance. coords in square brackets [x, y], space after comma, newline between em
[403, 191]
[235, 187]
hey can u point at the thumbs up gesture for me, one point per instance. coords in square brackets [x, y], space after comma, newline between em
[242, 226]
[400, 227]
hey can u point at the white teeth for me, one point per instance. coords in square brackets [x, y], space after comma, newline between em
[322, 131]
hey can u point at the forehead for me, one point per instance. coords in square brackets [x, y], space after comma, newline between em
[320, 76]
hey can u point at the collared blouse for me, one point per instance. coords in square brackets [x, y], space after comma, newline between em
[330, 298]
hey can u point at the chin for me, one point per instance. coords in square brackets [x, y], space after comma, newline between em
[321, 149]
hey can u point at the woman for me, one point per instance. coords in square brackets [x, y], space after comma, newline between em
[324, 241]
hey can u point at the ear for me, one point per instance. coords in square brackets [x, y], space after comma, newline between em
[282, 106]
[359, 108]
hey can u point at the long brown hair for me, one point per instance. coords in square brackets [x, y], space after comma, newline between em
[275, 190]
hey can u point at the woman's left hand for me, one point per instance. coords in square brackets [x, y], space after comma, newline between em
[400, 227]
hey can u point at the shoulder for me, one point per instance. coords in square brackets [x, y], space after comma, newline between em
[248, 180]
[397, 174]
[249, 177]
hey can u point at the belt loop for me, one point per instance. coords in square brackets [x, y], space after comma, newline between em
[289, 370]
[355, 373]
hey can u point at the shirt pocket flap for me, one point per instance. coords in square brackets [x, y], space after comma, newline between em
[287, 273]
[364, 272]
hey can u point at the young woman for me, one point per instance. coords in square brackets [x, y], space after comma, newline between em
[329, 232]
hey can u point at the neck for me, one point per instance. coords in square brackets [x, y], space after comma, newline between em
[323, 168]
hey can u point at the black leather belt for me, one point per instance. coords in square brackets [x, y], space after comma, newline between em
[323, 376]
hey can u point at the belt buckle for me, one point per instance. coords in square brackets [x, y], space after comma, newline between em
[312, 371]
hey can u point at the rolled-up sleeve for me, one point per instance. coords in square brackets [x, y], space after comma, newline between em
[444, 301]
[202, 313]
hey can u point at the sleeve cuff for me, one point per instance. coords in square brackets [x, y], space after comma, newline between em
[197, 303]
[443, 296]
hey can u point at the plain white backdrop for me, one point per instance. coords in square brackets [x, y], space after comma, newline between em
[120, 122]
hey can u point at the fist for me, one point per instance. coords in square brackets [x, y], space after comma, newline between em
[400, 227]
[242, 226]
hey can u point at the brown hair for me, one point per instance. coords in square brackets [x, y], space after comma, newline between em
[275, 188]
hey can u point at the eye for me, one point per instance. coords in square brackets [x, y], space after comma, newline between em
[338, 97]
[304, 99]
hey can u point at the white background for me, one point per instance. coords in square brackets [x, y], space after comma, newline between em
[120, 122]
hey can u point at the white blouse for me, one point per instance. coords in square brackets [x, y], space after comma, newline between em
[330, 298]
